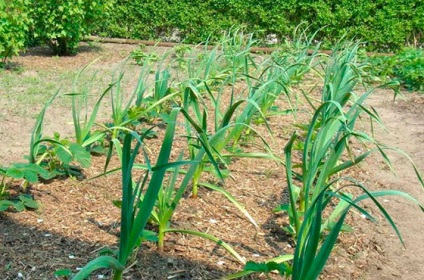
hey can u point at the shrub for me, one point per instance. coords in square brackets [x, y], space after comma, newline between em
[406, 67]
[410, 68]
[383, 24]
[13, 27]
[62, 24]
[193, 21]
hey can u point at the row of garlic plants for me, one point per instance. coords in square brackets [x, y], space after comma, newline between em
[325, 141]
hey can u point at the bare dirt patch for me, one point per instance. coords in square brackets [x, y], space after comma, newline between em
[77, 218]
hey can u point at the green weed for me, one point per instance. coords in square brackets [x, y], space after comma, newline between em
[405, 67]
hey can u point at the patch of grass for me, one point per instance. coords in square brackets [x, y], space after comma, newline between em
[32, 88]
[27, 90]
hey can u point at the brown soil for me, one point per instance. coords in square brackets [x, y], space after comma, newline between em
[77, 218]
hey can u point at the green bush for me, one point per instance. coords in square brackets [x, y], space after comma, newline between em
[407, 67]
[384, 24]
[410, 68]
[61, 24]
[14, 25]
[194, 20]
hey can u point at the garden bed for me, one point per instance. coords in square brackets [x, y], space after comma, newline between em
[77, 218]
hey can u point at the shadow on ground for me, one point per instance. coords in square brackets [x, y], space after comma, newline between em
[30, 253]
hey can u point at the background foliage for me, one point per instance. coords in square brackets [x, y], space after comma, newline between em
[406, 67]
[62, 24]
[14, 24]
[384, 25]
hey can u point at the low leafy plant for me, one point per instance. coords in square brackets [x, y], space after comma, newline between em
[180, 52]
[24, 201]
[410, 68]
[141, 57]
[277, 264]
[54, 153]
[27, 173]
[58, 155]
[65, 273]
[406, 67]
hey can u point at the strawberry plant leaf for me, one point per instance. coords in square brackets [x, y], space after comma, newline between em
[28, 201]
[81, 155]
[265, 267]
[14, 173]
[63, 156]
[63, 272]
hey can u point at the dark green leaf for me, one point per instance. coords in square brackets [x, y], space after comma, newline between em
[265, 267]
[64, 156]
[28, 201]
[14, 173]
[81, 155]
[63, 272]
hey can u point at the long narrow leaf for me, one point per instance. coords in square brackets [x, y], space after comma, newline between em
[231, 199]
[96, 264]
[218, 241]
